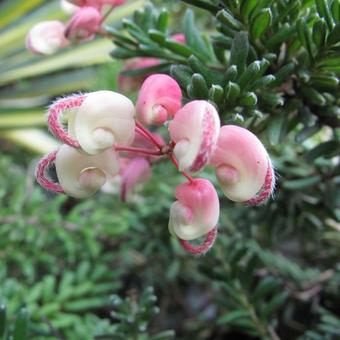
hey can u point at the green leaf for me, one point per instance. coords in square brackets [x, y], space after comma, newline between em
[305, 36]
[162, 21]
[232, 92]
[199, 86]
[336, 10]
[324, 12]
[247, 7]
[21, 325]
[319, 33]
[261, 23]
[2, 320]
[239, 51]
[298, 184]
[216, 94]
[249, 75]
[266, 286]
[275, 303]
[276, 128]
[326, 149]
[248, 99]
[182, 74]
[334, 37]
[226, 18]
[306, 133]
[193, 36]
[229, 318]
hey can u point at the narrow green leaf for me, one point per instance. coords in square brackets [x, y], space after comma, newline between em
[266, 285]
[324, 12]
[229, 318]
[326, 149]
[21, 325]
[334, 37]
[162, 22]
[232, 92]
[248, 99]
[239, 51]
[2, 320]
[298, 184]
[199, 86]
[226, 18]
[319, 33]
[261, 23]
[276, 302]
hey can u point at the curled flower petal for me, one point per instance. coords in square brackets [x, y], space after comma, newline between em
[84, 24]
[136, 172]
[196, 211]
[243, 167]
[202, 248]
[103, 119]
[195, 130]
[158, 100]
[42, 176]
[46, 37]
[81, 175]
[58, 112]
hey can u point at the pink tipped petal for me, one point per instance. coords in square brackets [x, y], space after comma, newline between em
[81, 175]
[196, 210]
[46, 37]
[41, 175]
[138, 171]
[84, 24]
[179, 37]
[243, 167]
[203, 248]
[158, 100]
[57, 113]
[195, 130]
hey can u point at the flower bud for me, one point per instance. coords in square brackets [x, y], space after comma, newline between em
[195, 130]
[243, 167]
[46, 37]
[84, 24]
[158, 100]
[96, 121]
[68, 7]
[196, 211]
[137, 171]
[81, 175]
[179, 37]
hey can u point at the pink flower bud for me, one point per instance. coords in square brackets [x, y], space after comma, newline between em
[179, 37]
[195, 130]
[137, 171]
[243, 167]
[158, 100]
[129, 84]
[84, 24]
[46, 37]
[97, 3]
[196, 211]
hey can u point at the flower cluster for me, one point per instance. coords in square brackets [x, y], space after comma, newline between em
[105, 137]
[48, 37]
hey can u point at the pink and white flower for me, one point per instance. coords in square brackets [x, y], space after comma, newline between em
[46, 37]
[243, 167]
[195, 130]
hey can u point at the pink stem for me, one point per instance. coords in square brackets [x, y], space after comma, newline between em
[202, 248]
[40, 173]
[174, 160]
[149, 135]
[138, 150]
[107, 13]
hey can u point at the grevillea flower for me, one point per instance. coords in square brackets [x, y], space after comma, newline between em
[96, 121]
[97, 3]
[243, 167]
[196, 211]
[68, 7]
[79, 175]
[84, 24]
[104, 143]
[195, 130]
[159, 99]
[46, 37]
